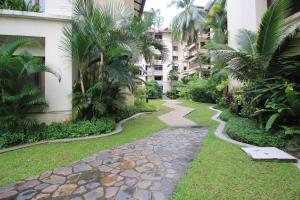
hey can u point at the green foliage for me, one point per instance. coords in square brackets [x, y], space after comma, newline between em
[10, 137]
[247, 130]
[226, 115]
[202, 90]
[186, 25]
[154, 90]
[21, 5]
[104, 43]
[18, 95]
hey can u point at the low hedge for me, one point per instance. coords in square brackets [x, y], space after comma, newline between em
[247, 130]
[226, 115]
[56, 131]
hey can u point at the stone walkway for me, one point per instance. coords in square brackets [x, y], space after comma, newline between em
[147, 169]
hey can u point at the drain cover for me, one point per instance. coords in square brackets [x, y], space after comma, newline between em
[268, 153]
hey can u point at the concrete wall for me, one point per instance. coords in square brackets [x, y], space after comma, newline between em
[49, 29]
[243, 14]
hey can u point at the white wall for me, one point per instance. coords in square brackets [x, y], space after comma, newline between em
[244, 14]
[58, 7]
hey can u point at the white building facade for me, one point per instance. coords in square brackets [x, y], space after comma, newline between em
[158, 70]
[47, 28]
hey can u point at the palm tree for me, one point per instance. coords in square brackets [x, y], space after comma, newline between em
[266, 52]
[19, 97]
[189, 22]
[104, 43]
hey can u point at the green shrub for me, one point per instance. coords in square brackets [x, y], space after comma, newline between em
[246, 130]
[154, 90]
[10, 137]
[226, 115]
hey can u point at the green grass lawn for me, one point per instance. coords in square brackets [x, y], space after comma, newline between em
[223, 171]
[23, 163]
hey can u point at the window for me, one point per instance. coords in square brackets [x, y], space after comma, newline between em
[158, 78]
[202, 44]
[158, 36]
[175, 58]
[175, 48]
[184, 68]
[38, 79]
[158, 67]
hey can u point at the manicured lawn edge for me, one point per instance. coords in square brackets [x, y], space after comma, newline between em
[117, 129]
[222, 171]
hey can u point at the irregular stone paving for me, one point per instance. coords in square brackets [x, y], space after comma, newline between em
[176, 117]
[147, 169]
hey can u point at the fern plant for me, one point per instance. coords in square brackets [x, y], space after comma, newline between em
[19, 97]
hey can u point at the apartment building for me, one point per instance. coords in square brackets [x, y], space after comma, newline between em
[158, 70]
[46, 27]
[196, 57]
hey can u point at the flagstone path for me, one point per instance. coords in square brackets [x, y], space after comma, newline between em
[147, 169]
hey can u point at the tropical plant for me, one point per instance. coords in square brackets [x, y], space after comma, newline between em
[154, 90]
[216, 20]
[189, 22]
[267, 62]
[18, 96]
[267, 52]
[104, 43]
[21, 5]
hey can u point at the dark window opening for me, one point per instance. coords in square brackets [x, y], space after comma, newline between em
[175, 58]
[158, 36]
[175, 48]
[158, 67]
[158, 78]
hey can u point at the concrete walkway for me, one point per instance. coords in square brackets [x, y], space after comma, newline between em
[176, 118]
[147, 169]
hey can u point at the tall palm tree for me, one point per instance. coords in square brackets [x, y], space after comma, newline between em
[186, 25]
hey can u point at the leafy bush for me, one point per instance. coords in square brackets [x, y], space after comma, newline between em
[226, 115]
[21, 5]
[9, 137]
[203, 90]
[247, 130]
[174, 93]
[154, 90]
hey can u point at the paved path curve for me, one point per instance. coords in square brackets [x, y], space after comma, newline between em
[176, 118]
[147, 169]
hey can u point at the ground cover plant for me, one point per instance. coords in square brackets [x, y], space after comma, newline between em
[222, 171]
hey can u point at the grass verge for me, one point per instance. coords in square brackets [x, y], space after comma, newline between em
[222, 171]
[23, 163]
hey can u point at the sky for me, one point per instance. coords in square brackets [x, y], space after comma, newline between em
[167, 13]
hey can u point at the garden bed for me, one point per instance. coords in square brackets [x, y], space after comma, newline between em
[76, 129]
[248, 131]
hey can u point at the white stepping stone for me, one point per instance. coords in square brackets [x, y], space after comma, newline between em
[268, 153]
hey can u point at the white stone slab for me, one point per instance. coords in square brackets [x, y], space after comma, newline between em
[268, 153]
